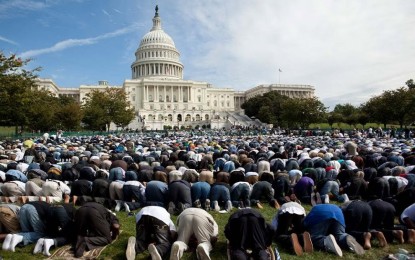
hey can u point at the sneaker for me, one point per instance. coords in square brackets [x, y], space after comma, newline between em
[172, 208]
[228, 206]
[296, 244]
[130, 252]
[207, 205]
[326, 199]
[118, 206]
[331, 246]
[153, 252]
[308, 244]
[354, 246]
[216, 206]
[126, 207]
[202, 252]
[345, 197]
[197, 204]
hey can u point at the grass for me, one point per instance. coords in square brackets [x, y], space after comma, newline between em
[117, 249]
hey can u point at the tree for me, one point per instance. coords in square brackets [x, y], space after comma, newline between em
[410, 84]
[69, 114]
[267, 107]
[377, 109]
[303, 112]
[101, 108]
[17, 87]
[41, 112]
[347, 113]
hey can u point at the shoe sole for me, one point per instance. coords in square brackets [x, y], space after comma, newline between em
[296, 244]
[335, 247]
[354, 246]
[130, 252]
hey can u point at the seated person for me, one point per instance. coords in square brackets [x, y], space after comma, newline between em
[179, 192]
[200, 224]
[287, 224]
[220, 193]
[407, 218]
[32, 217]
[247, 229]
[59, 228]
[262, 189]
[95, 226]
[201, 190]
[154, 231]
[303, 189]
[326, 226]
[9, 222]
[157, 190]
[358, 217]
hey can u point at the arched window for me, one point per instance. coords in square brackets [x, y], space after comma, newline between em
[188, 118]
[206, 117]
[170, 117]
[197, 117]
[160, 117]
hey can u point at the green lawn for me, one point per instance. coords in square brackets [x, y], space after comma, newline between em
[117, 249]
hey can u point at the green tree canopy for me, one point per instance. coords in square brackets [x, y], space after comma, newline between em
[17, 86]
[101, 108]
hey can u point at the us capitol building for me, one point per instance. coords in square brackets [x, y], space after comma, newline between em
[161, 97]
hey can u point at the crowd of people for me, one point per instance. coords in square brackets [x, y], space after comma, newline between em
[58, 190]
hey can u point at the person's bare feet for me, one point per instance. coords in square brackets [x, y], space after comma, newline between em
[74, 199]
[411, 236]
[259, 205]
[398, 235]
[276, 204]
[66, 198]
[23, 199]
[367, 236]
[381, 238]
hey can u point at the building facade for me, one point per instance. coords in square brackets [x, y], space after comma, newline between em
[161, 96]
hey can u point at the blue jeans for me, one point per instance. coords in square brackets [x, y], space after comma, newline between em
[333, 188]
[32, 226]
[200, 191]
[321, 230]
[156, 193]
[219, 193]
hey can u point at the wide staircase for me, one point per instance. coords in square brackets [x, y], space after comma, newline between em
[238, 118]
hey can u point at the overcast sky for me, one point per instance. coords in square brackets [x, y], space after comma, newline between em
[349, 50]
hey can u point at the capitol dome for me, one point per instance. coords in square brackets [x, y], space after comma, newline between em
[157, 55]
